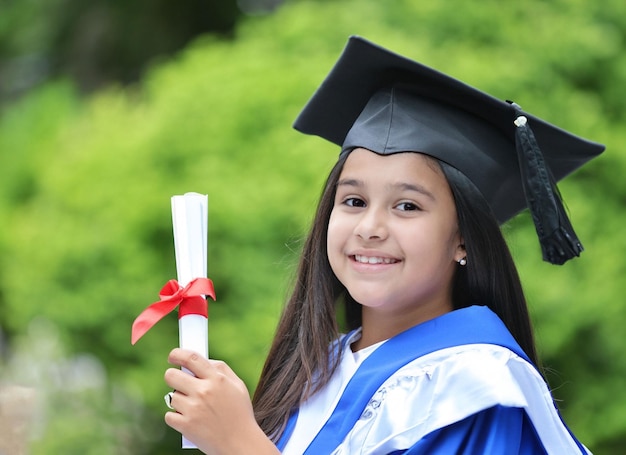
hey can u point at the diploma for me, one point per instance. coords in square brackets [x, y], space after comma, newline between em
[189, 219]
[189, 292]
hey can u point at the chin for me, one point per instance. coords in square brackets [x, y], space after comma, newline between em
[369, 300]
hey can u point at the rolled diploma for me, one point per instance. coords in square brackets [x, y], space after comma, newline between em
[189, 219]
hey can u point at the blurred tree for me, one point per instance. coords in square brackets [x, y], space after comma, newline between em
[99, 41]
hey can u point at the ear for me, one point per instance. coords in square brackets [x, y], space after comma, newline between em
[460, 252]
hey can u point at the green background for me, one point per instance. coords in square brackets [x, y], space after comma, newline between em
[86, 177]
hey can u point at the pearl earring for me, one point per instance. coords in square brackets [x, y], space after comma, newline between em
[462, 261]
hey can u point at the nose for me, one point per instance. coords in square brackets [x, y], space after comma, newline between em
[372, 225]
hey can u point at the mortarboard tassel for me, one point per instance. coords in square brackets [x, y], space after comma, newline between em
[558, 240]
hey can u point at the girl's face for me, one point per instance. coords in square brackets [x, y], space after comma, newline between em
[393, 238]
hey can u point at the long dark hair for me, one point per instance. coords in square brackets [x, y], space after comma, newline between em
[490, 277]
[306, 328]
[298, 363]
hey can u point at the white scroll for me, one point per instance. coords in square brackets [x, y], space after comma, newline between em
[189, 219]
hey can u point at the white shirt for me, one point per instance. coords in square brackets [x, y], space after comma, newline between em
[317, 409]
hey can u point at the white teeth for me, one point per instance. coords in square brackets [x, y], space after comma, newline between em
[373, 260]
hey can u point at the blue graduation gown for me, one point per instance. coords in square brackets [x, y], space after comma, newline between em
[493, 402]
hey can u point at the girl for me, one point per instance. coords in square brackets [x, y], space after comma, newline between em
[406, 255]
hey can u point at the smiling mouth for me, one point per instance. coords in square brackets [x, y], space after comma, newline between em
[374, 259]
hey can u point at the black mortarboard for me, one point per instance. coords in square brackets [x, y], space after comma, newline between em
[386, 103]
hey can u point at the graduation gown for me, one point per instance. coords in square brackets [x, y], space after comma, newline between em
[457, 384]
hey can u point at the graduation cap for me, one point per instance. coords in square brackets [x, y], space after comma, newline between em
[386, 103]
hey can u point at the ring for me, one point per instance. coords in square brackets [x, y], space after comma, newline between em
[168, 399]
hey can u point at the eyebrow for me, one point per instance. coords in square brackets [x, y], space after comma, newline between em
[403, 186]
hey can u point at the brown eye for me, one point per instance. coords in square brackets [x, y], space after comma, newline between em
[354, 202]
[407, 206]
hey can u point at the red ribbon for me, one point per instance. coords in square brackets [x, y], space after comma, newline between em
[190, 300]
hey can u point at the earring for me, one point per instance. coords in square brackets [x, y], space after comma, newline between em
[462, 261]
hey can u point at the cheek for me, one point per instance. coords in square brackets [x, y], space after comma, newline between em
[335, 229]
[335, 239]
[435, 243]
[332, 234]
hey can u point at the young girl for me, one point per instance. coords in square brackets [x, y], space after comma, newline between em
[406, 255]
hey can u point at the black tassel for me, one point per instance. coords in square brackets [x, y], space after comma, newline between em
[558, 240]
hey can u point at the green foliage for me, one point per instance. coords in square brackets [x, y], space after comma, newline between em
[85, 187]
[99, 41]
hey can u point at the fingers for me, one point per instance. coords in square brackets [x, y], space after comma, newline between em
[175, 420]
[209, 404]
[179, 380]
[199, 366]
[190, 360]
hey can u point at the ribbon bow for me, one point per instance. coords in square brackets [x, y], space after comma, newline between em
[190, 300]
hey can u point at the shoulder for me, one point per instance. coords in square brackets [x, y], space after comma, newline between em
[492, 375]
[462, 380]
[488, 372]
[445, 387]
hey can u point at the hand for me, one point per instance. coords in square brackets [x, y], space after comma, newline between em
[213, 409]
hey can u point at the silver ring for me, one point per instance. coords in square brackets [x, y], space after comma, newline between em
[168, 399]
